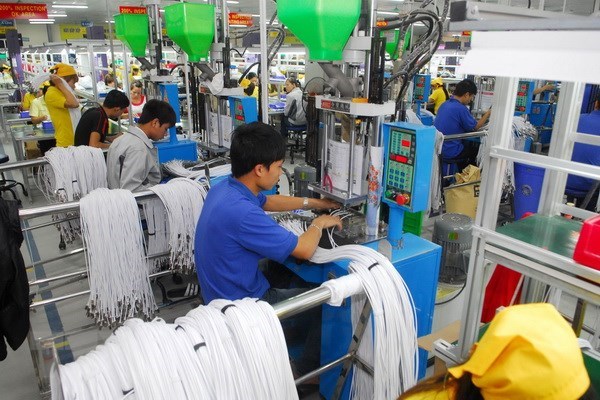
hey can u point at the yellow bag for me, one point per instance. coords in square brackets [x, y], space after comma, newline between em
[463, 199]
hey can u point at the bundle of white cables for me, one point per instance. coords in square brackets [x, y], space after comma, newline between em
[223, 351]
[394, 347]
[198, 172]
[183, 200]
[71, 173]
[158, 233]
[117, 266]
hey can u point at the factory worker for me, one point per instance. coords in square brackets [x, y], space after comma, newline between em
[293, 113]
[453, 117]
[529, 352]
[94, 125]
[132, 161]
[250, 84]
[38, 110]
[62, 103]
[135, 73]
[136, 90]
[31, 94]
[439, 94]
[234, 233]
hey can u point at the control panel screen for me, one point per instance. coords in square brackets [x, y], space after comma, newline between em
[420, 88]
[400, 166]
[238, 113]
[524, 94]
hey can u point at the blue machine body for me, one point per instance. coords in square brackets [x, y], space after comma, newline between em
[542, 117]
[174, 149]
[524, 97]
[243, 110]
[409, 154]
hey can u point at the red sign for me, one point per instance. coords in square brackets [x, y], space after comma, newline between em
[240, 19]
[132, 10]
[23, 11]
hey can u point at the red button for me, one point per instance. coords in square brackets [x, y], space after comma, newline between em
[401, 159]
[406, 143]
[402, 199]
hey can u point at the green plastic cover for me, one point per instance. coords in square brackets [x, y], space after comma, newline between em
[132, 30]
[324, 26]
[192, 27]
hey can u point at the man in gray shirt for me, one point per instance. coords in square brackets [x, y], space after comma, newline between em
[132, 161]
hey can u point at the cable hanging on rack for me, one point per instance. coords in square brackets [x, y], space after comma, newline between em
[183, 200]
[394, 347]
[226, 350]
[71, 173]
[117, 266]
[198, 172]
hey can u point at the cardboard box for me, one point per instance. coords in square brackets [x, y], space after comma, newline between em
[449, 333]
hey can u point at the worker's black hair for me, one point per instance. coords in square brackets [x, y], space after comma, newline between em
[158, 109]
[251, 75]
[255, 144]
[465, 86]
[136, 84]
[598, 98]
[116, 98]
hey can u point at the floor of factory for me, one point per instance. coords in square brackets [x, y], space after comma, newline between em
[17, 374]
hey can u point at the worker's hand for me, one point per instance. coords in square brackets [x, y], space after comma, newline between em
[547, 87]
[324, 204]
[327, 221]
[56, 80]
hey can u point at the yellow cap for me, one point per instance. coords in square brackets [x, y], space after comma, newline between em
[135, 67]
[528, 352]
[244, 83]
[437, 81]
[4, 66]
[44, 84]
[61, 69]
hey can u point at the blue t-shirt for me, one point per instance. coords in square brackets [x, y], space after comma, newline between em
[453, 118]
[585, 153]
[232, 235]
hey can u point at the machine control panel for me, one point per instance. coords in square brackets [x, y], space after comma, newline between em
[335, 105]
[524, 97]
[400, 167]
[243, 110]
[422, 86]
[407, 170]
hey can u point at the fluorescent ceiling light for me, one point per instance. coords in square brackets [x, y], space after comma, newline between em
[57, 15]
[387, 13]
[233, 2]
[237, 26]
[41, 20]
[111, 22]
[256, 15]
[69, 6]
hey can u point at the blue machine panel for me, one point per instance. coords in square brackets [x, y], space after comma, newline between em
[422, 88]
[409, 156]
[243, 110]
[524, 97]
[179, 150]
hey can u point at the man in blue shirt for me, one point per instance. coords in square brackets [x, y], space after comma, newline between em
[453, 117]
[234, 233]
[578, 186]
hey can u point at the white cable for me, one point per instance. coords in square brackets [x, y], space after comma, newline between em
[117, 266]
[183, 200]
[211, 353]
[158, 232]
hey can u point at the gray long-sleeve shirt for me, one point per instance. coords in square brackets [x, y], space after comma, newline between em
[132, 162]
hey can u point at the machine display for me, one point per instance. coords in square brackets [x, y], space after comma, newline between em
[243, 110]
[400, 167]
[524, 97]
[421, 90]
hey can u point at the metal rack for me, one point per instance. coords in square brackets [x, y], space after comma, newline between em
[491, 247]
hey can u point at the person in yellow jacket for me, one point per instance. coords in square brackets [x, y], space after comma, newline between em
[62, 103]
[28, 98]
[439, 95]
[529, 351]
[6, 75]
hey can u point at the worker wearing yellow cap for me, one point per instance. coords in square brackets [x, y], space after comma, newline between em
[28, 98]
[135, 73]
[439, 94]
[528, 352]
[62, 103]
[38, 110]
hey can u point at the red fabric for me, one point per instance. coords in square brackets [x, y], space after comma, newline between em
[499, 291]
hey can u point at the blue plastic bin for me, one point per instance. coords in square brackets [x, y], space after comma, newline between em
[528, 188]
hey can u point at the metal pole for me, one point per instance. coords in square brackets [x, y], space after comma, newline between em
[302, 302]
[112, 48]
[70, 206]
[264, 67]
